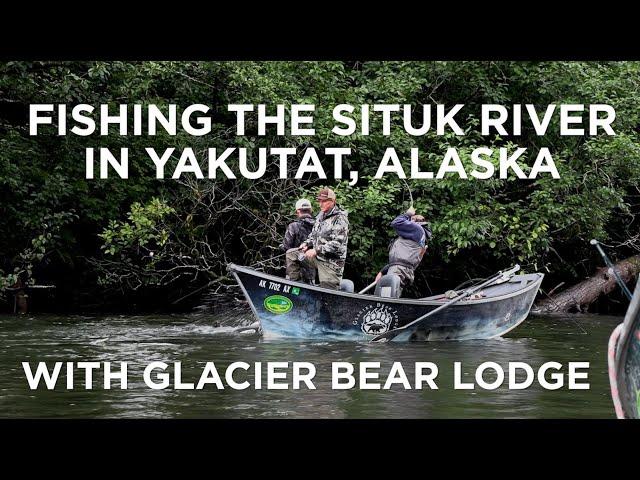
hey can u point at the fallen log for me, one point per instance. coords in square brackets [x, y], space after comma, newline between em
[578, 297]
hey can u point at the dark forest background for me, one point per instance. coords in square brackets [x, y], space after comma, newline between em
[144, 243]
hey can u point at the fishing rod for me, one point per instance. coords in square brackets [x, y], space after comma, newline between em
[268, 260]
[409, 190]
[612, 269]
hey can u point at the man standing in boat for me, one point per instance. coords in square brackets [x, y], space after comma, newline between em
[406, 251]
[326, 246]
[297, 232]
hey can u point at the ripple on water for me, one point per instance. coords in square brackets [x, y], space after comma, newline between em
[196, 339]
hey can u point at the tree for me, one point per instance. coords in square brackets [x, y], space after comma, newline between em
[102, 232]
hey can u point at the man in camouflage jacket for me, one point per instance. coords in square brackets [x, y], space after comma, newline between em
[326, 247]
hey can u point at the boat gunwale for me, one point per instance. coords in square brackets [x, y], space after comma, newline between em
[631, 320]
[632, 315]
[361, 296]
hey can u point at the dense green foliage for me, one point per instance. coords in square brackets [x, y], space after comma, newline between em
[144, 233]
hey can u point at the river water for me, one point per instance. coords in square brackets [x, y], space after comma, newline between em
[197, 339]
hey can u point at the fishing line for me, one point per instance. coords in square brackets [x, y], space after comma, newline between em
[215, 280]
[246, 209]
[194, 292]
[584, 332]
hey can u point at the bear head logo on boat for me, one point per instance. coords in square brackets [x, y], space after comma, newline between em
[378, 319]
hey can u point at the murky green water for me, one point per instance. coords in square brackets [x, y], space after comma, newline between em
[194, 340]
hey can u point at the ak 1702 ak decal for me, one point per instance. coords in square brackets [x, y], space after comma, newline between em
[278, 287]
[377, 319]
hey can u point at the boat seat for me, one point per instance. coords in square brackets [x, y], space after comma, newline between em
[346, 285]
[388, 286]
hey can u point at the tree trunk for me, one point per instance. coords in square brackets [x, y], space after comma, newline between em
[580, 296]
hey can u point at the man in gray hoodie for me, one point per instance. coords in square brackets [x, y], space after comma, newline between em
[408, 248]
[297, 232]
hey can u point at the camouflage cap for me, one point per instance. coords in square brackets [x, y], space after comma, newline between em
[326, 194]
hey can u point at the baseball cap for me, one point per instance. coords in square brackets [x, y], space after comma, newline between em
[419, 219]
[325, 194]
[303, 203]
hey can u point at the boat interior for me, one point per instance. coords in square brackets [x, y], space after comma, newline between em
[514, 284]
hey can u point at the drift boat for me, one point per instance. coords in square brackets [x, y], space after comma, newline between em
[624, 361]
[293, 309]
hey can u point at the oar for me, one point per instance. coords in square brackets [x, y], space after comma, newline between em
[253, 326]
[504, 276]
[366, 289]
[621, 284]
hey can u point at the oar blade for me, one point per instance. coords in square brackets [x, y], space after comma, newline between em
[385, 337]
[382, 338]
